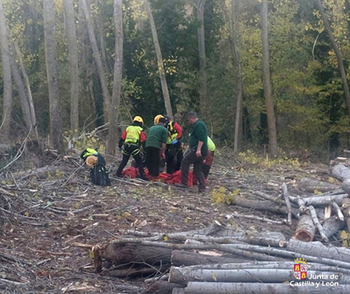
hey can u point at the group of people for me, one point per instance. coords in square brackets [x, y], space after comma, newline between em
[164, 143]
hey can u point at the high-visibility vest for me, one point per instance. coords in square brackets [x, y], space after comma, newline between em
[133, 134]
[172, 134]
[211, 145]
[89, 152]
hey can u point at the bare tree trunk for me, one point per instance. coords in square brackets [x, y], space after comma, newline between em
[100, 69]
[118, 64]
[337, 54]
[203, 87]
[73, 65]
[161, 70]
[271, 119]
[6, 66]
[239, 95]
[52, 75]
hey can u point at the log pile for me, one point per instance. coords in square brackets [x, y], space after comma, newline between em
[218, 259]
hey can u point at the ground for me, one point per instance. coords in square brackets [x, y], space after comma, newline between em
[53, 217]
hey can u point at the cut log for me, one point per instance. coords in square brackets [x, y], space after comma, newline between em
[306, 229]
[261, 275]
[321, 200]
[253, 288]
[161, 287]
[133, 272]
[341, 172]
[346, 185]
[317, 223]
[181, 257]
[268, 197]
[288, 205]
[318, 249]
[255, 217]
[178, 291]
[332, 226]
[311, 185]
[345, 203]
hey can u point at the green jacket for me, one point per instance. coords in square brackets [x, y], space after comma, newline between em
[199, 133]
[157, 135]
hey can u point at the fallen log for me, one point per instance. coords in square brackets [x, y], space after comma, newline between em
[321, 200]
[346, 185]
[271, 288]
[338, 211]
[255, 217]
[332, 226]
[186, 258]
[161, 287]
[341, 172]
[318, 249]
[311, 185]
[306, 229]
[317, 223]
[288, 205]
[132, 272]
[261, 275]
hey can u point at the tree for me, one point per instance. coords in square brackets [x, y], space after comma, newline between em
[270, 112]
[203, 88]
[73, 65]
[100, 68]
[161, 70]
[52, 75]
[337, 53]
[6, 66]
[118, 63]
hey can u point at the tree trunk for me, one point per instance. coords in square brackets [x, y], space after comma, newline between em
[52, 75]
[306, 229]
[341, 172]
[253, 288]
[100, 69]
[6, 67]
[29, 92]
[203, 87]
[73, 65]
[337, 53]
[161, 70]
[239, 94]
[270, 112]
[181, 257]
[321, 200]
[332, 226]
[311, 185]
[117, 82]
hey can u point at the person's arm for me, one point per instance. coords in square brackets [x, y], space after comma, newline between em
[178, 130]
[122, 139]
[201, 135]
[162, 153]
[199, 149]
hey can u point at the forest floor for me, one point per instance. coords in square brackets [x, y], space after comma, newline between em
[49, 216]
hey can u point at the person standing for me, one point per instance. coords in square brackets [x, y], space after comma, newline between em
[155, 145]
[197, 151]
[173, 151]
[208, 161]
[132, 139]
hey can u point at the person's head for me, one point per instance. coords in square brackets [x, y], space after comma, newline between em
[138, 121]
[167, 118]
[156, 118]
[162, 121]
[192, 117]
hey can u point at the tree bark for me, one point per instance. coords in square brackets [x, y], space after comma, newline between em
[52, 75]
[6, 66]
[270, 112]
[117, 81]
[239, 94]
[252, 288]
[185, 258]
[99, 65]
[73, 65]
[306, 229]
[203, 87]
[311, 185]
[317, 223]
[332, 226]
[321, 200]
[341, 172]
[337, 54]
[160, 64]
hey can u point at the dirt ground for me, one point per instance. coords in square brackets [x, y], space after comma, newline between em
[52, 215]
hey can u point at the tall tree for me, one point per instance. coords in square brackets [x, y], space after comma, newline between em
[270, 112]
[52, 75]
[100, 68]
[161, 70]
[337, 53]
[118, 63]
[6, 66]
[203, 85]
[73, 65]
[239, 94]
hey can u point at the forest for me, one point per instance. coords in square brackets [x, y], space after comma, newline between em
[263, 75]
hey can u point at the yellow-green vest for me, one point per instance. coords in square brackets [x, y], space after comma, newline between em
[211, 145]
[172, 134]
[133, 134]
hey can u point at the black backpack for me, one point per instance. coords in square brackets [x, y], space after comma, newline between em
[99, 175]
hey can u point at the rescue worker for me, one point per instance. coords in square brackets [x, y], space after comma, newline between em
[198, 150]
[208, 161]
[130, 142]
[155, 145]
[97, 164]
[173, 151]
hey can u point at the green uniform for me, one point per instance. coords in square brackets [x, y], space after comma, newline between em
[157, 135]
[199, 133]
